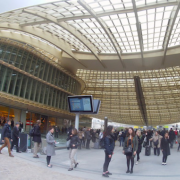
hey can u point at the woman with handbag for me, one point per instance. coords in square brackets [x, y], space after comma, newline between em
[130, 148]
[140, 141]
[50, 149]
[74, 143]
[165, 147]
[109, 148]
[156, 139]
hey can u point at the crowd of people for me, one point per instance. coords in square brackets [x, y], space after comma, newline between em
[132, 142]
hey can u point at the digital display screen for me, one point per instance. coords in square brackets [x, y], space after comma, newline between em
[80, 104]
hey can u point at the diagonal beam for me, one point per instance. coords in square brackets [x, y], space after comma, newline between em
[105, 28]
[169, 29]
[140, 99]
[138, 25]
[68, 28]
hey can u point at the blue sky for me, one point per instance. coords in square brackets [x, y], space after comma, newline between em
[8, 5]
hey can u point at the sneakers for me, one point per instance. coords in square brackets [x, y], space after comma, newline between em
[163, 163]
[70, 169]
[0, 152]
[105, 175]
[108, 173]
[137, 162]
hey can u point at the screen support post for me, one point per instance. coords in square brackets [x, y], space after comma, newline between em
[77, 121]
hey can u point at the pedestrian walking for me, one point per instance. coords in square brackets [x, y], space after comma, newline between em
[15, 138]
[109, 145]
[165, 148]
[130, 148]
[156, 139]
[5, 136]
[50, 149]
[178, 139]
[74, 143]
[37, 138]
[88, 138]
[172, 137]
[140, 142]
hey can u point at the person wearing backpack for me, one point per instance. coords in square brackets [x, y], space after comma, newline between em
[156, 139]
[37, 138]
[109, 145]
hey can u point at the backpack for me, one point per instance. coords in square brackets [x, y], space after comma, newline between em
[31, 133]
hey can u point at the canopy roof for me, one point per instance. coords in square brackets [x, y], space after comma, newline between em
[101, 27]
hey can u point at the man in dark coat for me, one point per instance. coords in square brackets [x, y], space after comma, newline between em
[37, 138]
[5, 136]
[12, 124]
[15, 137]
[88, 138]
[172, 137]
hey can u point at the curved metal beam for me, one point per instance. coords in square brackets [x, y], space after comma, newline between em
[169, 29]
[44, 35]
[68, 28]
[105, 28]
[138, 25]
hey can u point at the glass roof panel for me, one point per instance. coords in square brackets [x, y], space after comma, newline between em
[153, 23]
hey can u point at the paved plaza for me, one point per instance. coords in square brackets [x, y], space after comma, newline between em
[24, 167]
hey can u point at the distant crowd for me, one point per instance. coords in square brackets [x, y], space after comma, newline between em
[131, 140]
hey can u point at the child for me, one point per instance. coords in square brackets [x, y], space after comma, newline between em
[165, 148]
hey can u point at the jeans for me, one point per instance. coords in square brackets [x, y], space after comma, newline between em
[106, 162]
[179, 147]
[87, 143]
[6, 143]
[121, 141]
[80, 145]
[171, 144]
[156, 151]
[16, 144]
[138, 157]
[37, 147]
[48, 159]
[164, 159]
[72, 153]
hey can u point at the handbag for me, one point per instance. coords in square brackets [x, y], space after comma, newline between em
[128, 150]
[156, 142]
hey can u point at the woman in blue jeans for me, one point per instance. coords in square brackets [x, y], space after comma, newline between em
[109, 148]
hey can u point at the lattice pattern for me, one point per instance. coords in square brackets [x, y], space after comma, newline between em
[116, 90]
[118, 17]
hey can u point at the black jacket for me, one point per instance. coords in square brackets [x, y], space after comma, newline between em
[109, 144]
[6, 131]
[15, 134]
[172, 135]
[37, 134]
[74, 140]
[165, 146]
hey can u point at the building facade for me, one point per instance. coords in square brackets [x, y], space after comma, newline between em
[27, 78]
